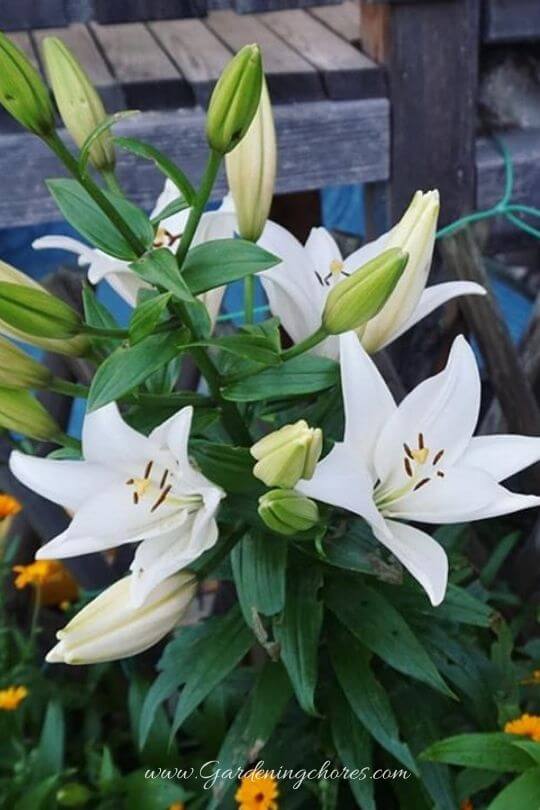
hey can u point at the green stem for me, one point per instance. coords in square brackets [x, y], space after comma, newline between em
[63, 153]
[304, 345]
[112, 183]
[199, 204]
[249, 299]
[68, 388]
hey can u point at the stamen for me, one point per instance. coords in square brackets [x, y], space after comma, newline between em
[440, 474]
[336, 267]
[130, 481]
[438, 457]
[148, 469]
[421, 483]
[408, 451]
[161, 498]
[421, 441]
[163, 479]
[408, 468]
[319, 278]
[135, 498]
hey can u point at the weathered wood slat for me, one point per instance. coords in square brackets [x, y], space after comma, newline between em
[342, 19]
[15, 14]
[148, 77]
[346, 72]
[290, 76]
[256, 6]
[511, 20]
[196, 51]
[524, 149]
[119, 11]
[78, 38]
[321, 142]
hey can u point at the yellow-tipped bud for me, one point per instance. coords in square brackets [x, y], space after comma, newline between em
[22, 413]
[22, 92]
[235, 100]
[288, 512]
[78, 102]
[353, 301]
[251, 171]
[37, 312]
[19, 370]
[76, 346]
[288, 454]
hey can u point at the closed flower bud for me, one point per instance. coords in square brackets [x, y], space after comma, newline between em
[251, 171]
[22, 92]
[79, 104]
[235, 100]
[110, 628]
[76, 346]
[22, 413]
[288, 512]
[37, 312]
[355, 300]
[19, 370]
[287, 454]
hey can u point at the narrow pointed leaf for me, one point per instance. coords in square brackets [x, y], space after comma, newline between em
[523, 792]
[353, 745]
[294, 378]
[223, 260]
[146, 317]
[163, 163]
[259, 566]
[159, 269]
[489, 751]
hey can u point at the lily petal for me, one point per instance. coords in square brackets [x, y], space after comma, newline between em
[67, 483]
[108, 440]
[322, 249]
[503, 455]
[368, 402]
[58, 242]
[441, 413]
[421, 555]
[366, 253]
[431, 298]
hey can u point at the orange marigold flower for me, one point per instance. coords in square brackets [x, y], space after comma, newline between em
[11, 697]
[528, 725]
[466, 804]
[52, 579]
[177, 806]
[258, 791]
[9, 506]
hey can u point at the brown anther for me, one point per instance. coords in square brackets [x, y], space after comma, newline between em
[408, 450]
[163, 479]
[161, 498]
[440, 474]
[420, 441]
[421, 483]
[130, 481]
[148, 469]
[135, 498]
[408, 468]
[319, 278]
[438, 457]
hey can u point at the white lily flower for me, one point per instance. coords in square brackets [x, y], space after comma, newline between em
[218, 224]
[418, 461]
[129, 488]
[110, 628]
[297, 288]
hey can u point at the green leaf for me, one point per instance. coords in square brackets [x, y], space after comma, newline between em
[38, 797]
[489, 751]
[531, 748]
[146, 793]
[172, 208]
[253, 347]
[50, 752]
[96, 313]
[159, 269]
[522, 793]
[128, 366]
[146, 317]
[367, 698]
[156, 751]
[252, 726]
[298, 631]
[353, 745]
[86, 216]
[378, 625]
[259, 564]
[497, 558]
[216, 657]
[297, 377]
[221, 261]
[105, 125]
[163, 163]
[229, 467]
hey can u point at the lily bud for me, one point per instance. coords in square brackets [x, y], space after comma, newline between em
[235, 100]
[287, 454]
[357, 299]
[22, 92]
[37, 312]
[78, 102]
[76, 346]
[19, 370]
[288, 512]
[22, 413]
[110, 628]
[251, 171]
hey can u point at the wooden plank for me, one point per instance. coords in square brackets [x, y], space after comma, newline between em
[346, 72]
[199, 55]
[148, 77]
[78, 38]
[257, 6]
[15, 14]
[290, 77]
[511, 20]
[321, 143]
[342, 19]
[524, 151]
[120, 11]
[429, 50]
